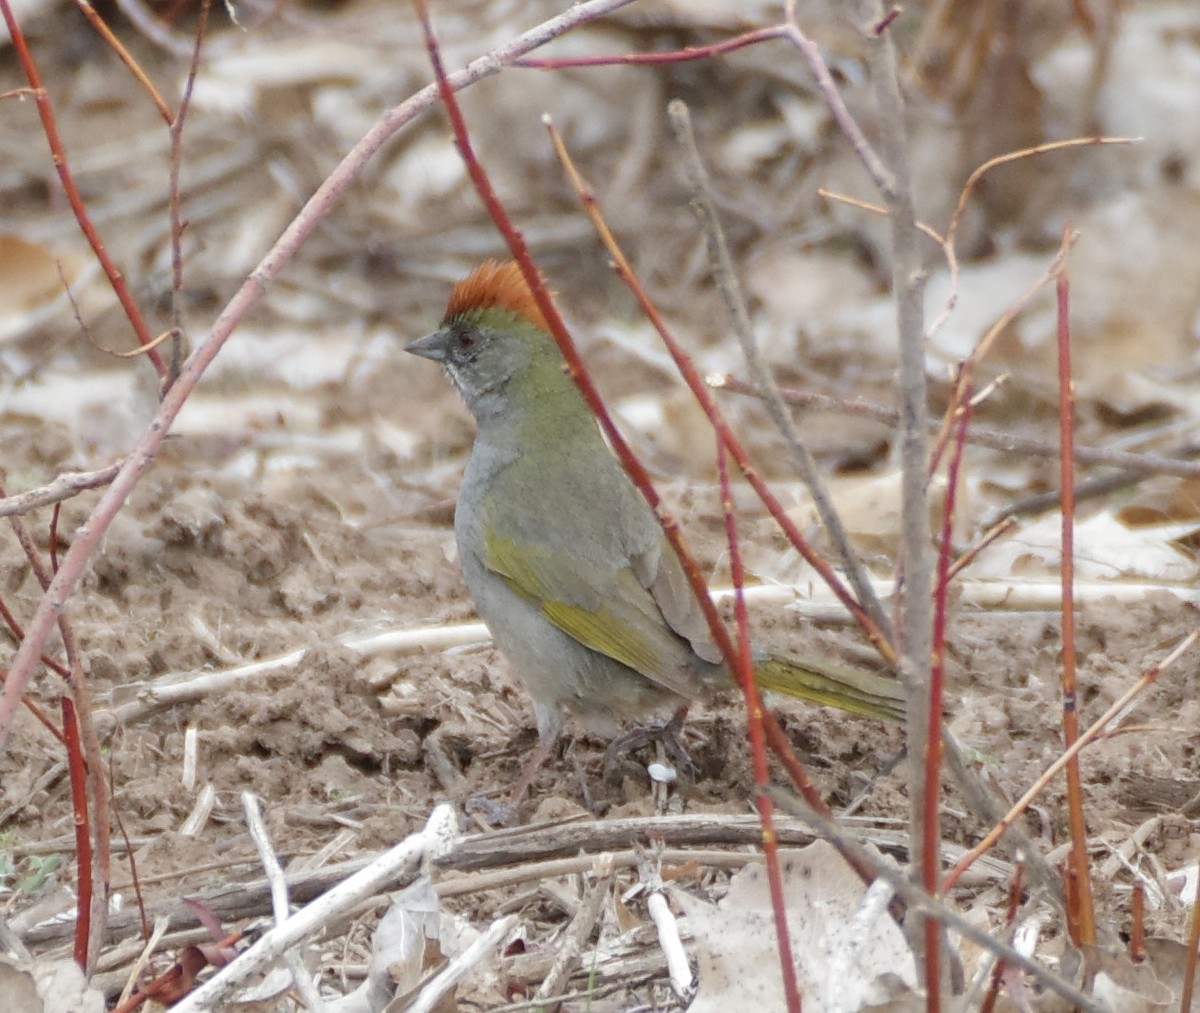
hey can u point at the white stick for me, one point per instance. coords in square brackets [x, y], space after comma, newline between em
[672, 946]
[191, 757]
[200, 813]
[279, 899]
[170, 690]
[436, 839]
[456, 970]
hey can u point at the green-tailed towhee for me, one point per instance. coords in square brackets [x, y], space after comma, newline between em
[565, 560]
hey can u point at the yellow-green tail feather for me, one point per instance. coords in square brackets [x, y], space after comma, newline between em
[848, 689]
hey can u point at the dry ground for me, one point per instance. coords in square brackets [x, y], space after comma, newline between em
[307, 494]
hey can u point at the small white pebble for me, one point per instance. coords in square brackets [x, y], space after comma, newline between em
[661, 773]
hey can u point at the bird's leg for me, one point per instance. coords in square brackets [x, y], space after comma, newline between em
[580, 775]
[549, 724]
[669, 734]
[539, 756]
[504, 814]
[861, 797]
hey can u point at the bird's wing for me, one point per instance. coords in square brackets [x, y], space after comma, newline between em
[658, 570]
[609, 609]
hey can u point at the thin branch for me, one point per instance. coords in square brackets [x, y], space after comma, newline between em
[881, 175]
[1013, 156]
[758, 744]
[672, 56]
[908, 284]
[83, 840]
[101, 852]
[279, 896]
[1179, 463]
[433, 992]
[580, 928]
[173, 201]
[1078, 866]
[126, 57]
[63, 487]
[727, 283]
[930, 865]
[74, 198]
[420, 848]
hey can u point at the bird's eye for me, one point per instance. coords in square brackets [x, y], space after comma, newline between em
[466, 340]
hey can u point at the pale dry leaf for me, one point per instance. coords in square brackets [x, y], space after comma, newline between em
[1168, 958]
[1126, 986]
[810, 290]
[737, 948]
[32, 283]
[234, 79]
[413, 923]
[18, 986]
[1105, 549]
[870, 508]
[1153, 86]
[1185, 883]
[47, 986]
[262, 992]
[399, 949]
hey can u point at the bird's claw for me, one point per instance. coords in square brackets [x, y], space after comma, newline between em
[668, 734]
[492, 811]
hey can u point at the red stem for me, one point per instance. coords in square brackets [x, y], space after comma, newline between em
[83, 838]
[931, 837]
[50, 128]
[1014, 905]
[1070, 698]
[1137, 923]
[1193, 948]
[672, 56]
[744, 669]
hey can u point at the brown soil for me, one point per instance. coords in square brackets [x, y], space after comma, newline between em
[310, 498]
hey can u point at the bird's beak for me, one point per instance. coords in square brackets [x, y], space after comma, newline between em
[432, 346]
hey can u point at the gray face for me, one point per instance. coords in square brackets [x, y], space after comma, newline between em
[478, 358]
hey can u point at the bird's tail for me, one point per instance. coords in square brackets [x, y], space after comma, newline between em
[848, 689]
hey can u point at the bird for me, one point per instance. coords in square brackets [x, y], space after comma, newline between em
[565, 561]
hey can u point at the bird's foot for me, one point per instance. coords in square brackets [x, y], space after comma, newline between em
[506, 813]
[491, 812]
[669, 735]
